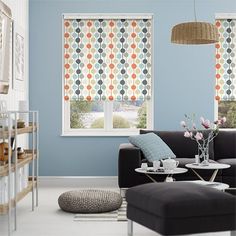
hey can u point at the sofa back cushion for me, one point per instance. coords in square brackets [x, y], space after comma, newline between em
[225, 144]
[182, 147]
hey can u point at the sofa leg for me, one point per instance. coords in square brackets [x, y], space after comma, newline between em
[130, 227]
[233, 233]
[123, 192]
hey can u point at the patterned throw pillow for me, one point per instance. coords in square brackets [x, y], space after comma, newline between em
[152, 146]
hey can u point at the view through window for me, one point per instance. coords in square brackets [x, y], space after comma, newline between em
[228, 109]
[92, 115]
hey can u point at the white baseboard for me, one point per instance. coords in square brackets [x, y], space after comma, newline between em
[79, 181]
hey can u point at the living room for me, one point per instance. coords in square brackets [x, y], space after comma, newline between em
[87, 77]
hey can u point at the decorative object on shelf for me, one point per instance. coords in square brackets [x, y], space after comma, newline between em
[5, 47]
[19, 58]
[3, 105]
[202, 137]
[4, 152]
[23, 108]
[194, 32]
[20, 153]
[20, 123]
[3, 115]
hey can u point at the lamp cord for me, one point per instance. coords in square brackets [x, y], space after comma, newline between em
[194, 7]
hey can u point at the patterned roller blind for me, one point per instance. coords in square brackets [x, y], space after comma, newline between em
[226, 60]
[107, 59]
[0, 31]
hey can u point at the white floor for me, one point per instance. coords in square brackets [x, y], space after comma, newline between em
[48, 220]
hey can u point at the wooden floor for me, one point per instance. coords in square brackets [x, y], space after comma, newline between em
[48, 220]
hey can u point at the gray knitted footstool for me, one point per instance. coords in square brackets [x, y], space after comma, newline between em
[89, 201]
[180, 208]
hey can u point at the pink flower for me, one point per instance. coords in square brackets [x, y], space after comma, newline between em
[202, 119]
[205, 123]
[199, 136]
[222, 120]
[194, 126]
[183, 124]
[188, 134]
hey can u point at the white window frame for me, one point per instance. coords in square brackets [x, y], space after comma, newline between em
[219, 16]
[108, 107]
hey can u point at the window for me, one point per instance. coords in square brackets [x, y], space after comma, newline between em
[107, 74]
[226, 70]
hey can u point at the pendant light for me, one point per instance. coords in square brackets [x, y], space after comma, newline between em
[194, 32]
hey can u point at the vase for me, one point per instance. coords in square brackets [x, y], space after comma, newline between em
[203, 153]
[24, 115]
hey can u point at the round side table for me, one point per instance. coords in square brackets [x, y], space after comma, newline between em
[169, 174]
[212, 166]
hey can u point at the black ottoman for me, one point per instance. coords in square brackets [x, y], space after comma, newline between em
[180, 208]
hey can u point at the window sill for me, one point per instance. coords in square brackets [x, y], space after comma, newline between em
[228, 129]
[97, 133]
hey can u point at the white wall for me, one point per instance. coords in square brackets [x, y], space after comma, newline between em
[20, 15]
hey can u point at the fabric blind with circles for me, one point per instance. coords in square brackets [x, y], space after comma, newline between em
[0, 31]
[107, 59]
[226, 60]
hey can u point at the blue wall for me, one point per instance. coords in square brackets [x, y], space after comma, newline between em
[184, 78]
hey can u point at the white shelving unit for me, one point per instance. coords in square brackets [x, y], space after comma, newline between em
[12, 168]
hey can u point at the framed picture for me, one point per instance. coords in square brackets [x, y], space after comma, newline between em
[5, 47]
[18, 58]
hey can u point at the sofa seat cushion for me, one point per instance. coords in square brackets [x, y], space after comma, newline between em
[180, 200]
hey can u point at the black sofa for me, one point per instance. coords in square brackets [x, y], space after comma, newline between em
[222, 149]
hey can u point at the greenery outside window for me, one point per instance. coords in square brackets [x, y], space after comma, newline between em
[97, 118]
[228, 109]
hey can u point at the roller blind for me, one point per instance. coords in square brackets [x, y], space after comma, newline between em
[226, 60]
[107, 59]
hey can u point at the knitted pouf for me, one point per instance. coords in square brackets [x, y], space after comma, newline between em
[89, 201]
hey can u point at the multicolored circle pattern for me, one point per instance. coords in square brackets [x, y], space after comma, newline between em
[107, 59]
[226, 60]
[1, 32]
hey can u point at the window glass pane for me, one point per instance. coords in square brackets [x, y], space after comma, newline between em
[86, 115]
[228, 109]
[129, 115]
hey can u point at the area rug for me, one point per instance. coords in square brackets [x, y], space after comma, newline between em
[118, 215]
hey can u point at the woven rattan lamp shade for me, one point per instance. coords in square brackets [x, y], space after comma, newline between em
[194, 33]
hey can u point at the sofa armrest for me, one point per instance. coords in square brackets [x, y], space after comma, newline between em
[130, 157]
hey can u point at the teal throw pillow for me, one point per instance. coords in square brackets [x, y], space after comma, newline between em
[152, 146]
